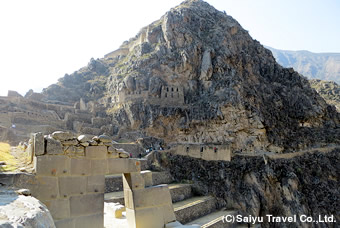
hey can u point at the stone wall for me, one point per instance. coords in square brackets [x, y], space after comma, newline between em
[70, 180]
[170, 95]
[133, 148]
[33, 114]
[203, 151]
[71, 176]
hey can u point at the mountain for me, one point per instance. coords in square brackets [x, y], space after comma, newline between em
[87, 83]
[196, 76]
[324, 66]
[196, 82]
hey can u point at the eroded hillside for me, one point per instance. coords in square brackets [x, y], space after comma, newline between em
[196, 76]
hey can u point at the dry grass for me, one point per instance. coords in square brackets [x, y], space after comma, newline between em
[11, 162]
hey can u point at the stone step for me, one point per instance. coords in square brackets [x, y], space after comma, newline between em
[163, 177]
[114, 183]
[178, 192]
[215, 220]
[194, 208]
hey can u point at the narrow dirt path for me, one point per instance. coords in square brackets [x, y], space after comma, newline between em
[23, 161]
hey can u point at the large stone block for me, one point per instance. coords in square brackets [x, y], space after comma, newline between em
[71, 142]
[70, 185]
[117, 166]
[87, 204]
[128, 199]
[52, 165]
[45, 188]
[74, 151]
[133, 181]
[91, 221]
[63, 135]
[81, 166]
[64, 223]
[53, 146]
[104, 138]
[99, 167]
[96, 152]
[96, 183]
[145, 217]
[59, 208]
[147, 175]
[168, 213]
[39, 145]
[152, 196]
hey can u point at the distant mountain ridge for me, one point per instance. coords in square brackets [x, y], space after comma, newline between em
[324, 66]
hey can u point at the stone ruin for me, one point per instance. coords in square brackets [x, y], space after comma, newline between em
[19, 116]
[69, 178]
[171, 95]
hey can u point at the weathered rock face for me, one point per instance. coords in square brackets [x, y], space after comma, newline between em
[23, 211]
[234, 91]
[196, 76]
[304, 185]
[87, 83]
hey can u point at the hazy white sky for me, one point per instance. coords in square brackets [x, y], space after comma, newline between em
[42, 40]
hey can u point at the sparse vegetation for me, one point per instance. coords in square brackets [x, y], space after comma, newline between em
[5, 156]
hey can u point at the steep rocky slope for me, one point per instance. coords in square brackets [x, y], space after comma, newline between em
[196, 76]
[324, 66]
[87, 83]
[234, 91]
[305, 185]
[328, 90]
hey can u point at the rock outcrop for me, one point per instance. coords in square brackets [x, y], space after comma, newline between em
[87, 83]
[234, 91]
[196, 76]
[23, 211]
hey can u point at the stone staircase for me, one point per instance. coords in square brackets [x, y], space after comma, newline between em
[189, 208]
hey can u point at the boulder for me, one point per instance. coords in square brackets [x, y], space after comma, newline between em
[53, 146]
[23, 211]
[84, 138]
[62, 135]
[104, 139]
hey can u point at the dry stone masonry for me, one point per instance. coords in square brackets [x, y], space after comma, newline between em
[70, 180]
[71, 176]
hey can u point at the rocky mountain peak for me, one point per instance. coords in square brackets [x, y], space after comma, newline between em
[196, 76]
